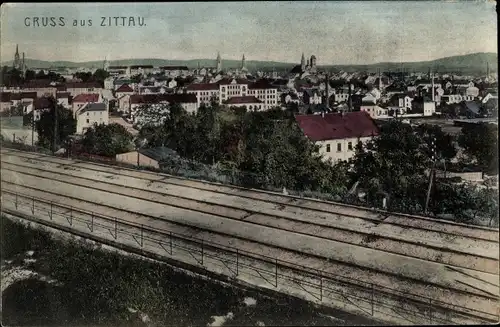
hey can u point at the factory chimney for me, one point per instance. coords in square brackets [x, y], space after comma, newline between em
[327, 104]
[379, 81]
[350, 97]
[433, 91]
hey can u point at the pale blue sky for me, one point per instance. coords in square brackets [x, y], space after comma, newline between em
[337, 32]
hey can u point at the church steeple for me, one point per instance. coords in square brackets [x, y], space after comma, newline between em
[243, 63]
[17, 60]
[219, 62]
[303, 62]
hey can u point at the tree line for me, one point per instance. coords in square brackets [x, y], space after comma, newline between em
[270, 151]
[15, 77]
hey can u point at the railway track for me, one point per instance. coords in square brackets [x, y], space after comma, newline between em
[261, 229]
[375, 303]
[367, 215]
[478, 258]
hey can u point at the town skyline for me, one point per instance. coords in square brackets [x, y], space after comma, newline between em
[389, 33]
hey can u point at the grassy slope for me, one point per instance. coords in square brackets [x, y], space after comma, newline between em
[99, 286]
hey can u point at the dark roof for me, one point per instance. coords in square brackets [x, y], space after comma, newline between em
[159, 153]
[181, 98]
[10, 96]
[337, 126]
[460, 81]
[421, 99]
[28, 95]
[202, 87]
[296, 70]
[117, 67]
[86, 98]
[174, 68]
[261, 85]
[141, 66]
[82, 85]
[473, 107]
[423, 81]
[227, 81]
[124, 88]
[242, 100]
[40, 83]
[41, 103]
[280, 82]
[94, 107]
[151, 88]
[60, 95]
[5, 97]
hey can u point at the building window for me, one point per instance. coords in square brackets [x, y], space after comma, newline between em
[339, 147]
[88, 121]
[328, 148]
[349, 146]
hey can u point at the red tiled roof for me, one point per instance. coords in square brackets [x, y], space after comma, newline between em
[124, 88]
[242, 100]
[202, 87]
[86, 98]
[337, 126]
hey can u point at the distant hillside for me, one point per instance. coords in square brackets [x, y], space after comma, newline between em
[251, 65]
[472, 63]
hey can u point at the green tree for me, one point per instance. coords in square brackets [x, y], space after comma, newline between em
[84, 76]
[136, 78]
[209, 132]
[100, 75]
[480, 143]
[11, 76]
[30, 75]
[66, 125]
[392, 165]
[107, 140]
[40, 74]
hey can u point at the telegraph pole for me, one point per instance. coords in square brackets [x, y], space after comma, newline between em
[33, 127]
[431, 174]
[54, 146]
